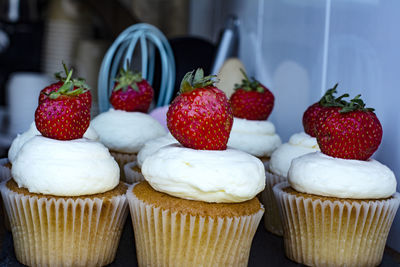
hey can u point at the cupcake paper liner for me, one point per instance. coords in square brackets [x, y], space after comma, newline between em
[65, 231]
[132, 176]
[5, 172]
[5, 175]
[165, 238]
[272, 218]
[122, 159]
[338, 232]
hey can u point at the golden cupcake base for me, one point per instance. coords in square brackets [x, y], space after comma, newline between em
[327, 231]
[170, 231]
[272, 218]
[65, 231]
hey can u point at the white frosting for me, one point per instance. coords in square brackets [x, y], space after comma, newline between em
[21, 139]
[91, 134]
[257, 138]
[319, 174]
[298, 145]
[152, 146]
[126, 132]
[65, 168]
[205, 175]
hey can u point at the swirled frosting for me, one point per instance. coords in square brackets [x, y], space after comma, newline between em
[21, 139]
[126, 132]
[298, 145]
[319, 174]
[65, 168]
[257, 138]
[205, 175]
[150, 147]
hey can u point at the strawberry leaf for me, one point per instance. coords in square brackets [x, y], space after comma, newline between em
[127, 78]
[191, 82]
[249, 85]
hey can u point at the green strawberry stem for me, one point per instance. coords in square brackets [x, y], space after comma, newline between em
[328, 100]
[355, 104]
[193, 80]
[69, 84]
[248, 85]
[126, 78]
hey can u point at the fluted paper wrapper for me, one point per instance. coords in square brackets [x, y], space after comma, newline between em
[5, 172]
[65, 232]
[122, 159]
[272, 218]
[132, 176]
[5, 175]
[165, 238]
[335, 233]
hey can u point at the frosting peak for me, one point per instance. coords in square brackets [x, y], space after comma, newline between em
[319, 174]
[298, 145]
[257, 138]
[21, 139]
[65, 168]
[150, 147]
[205, 175]
[126, 132]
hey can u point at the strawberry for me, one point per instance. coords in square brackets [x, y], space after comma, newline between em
[200, 116]
[349, 131]
[251, 100]
[131, 92]
[310, 116]
[310, 119]
[73, 84]
[63, 112]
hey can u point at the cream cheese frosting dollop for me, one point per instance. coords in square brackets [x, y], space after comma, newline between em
[222, 176]
[298, 145]
[319, 174]
[257, 138]
[126, 132]
[65, 168]
[150, 147]
[21, 139]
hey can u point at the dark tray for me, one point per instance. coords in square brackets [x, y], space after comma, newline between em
[266, 250]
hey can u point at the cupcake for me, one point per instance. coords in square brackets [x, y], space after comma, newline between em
[132, 169]
[197, 205]
[126, 128]
[65, 203]
[252, 103]
[299, 144]
[339, 204]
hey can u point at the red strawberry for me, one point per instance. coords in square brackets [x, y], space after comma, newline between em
[63, 112]
[62, 118]
[251, 100]
[69, 84]
[350, 132]
[311, 117]
[131, 92]
[200, 117]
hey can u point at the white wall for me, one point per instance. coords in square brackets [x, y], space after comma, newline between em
[301, 48]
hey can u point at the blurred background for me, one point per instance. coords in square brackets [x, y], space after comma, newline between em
[296, 48]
